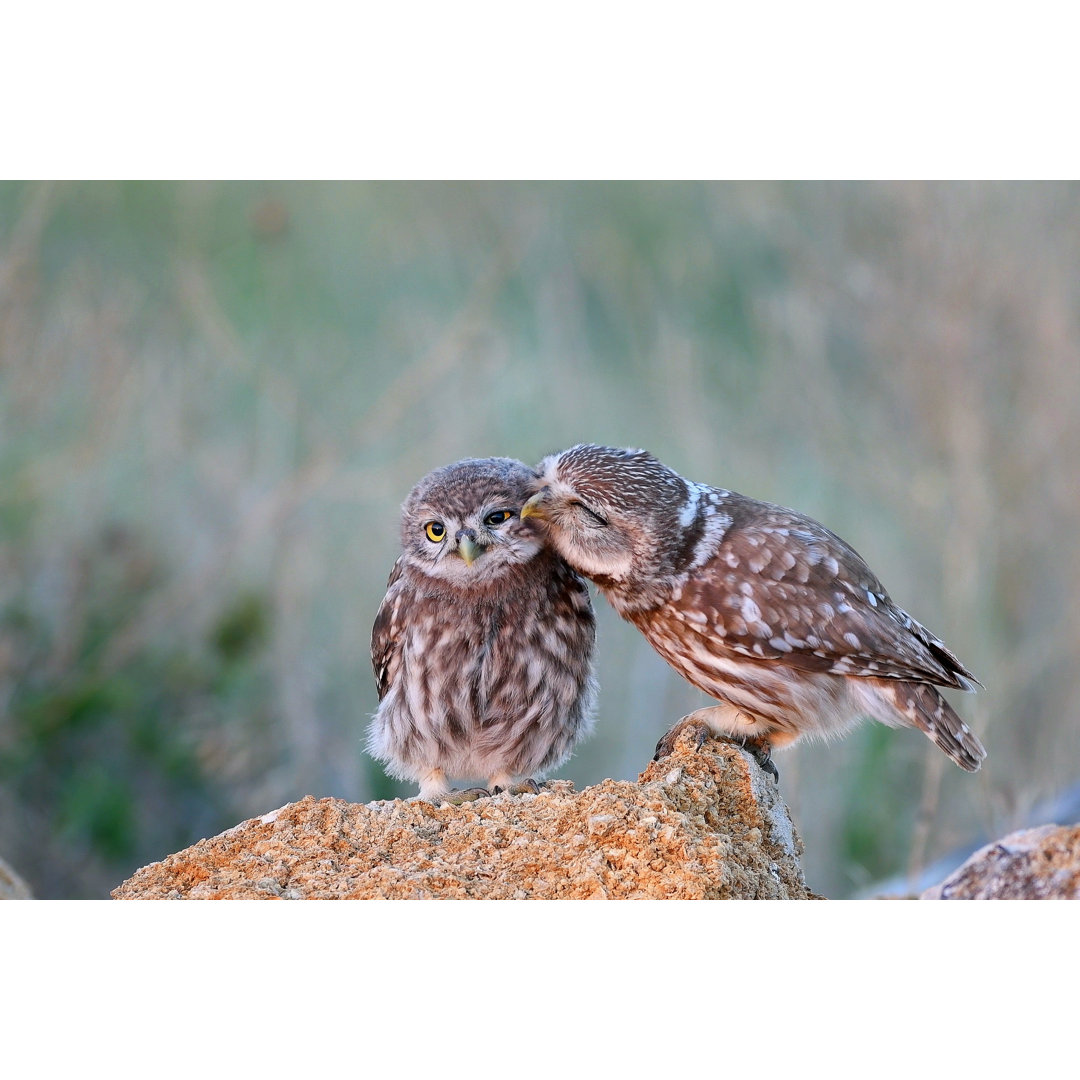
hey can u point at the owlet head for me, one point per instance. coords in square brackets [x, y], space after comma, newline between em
[604, 510]
[461, 524]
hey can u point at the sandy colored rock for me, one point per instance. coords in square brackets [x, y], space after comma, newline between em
[701, 824]
[12, 887]
[1033, 864]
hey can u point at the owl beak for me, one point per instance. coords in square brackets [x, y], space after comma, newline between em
[469, 549]
[535, 507]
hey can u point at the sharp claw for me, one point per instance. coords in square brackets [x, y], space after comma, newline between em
[759, 748]
[667, 741]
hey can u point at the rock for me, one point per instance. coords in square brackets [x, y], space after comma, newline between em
[704, 824]
[1033, 864]
[12, 887]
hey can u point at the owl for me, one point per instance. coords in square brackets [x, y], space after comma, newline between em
[482, 647]
[760, 607]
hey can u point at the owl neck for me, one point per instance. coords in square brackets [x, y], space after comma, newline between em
[519, 580]
[629, 600]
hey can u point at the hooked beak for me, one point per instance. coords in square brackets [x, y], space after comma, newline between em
[536, 507]
[469, 549]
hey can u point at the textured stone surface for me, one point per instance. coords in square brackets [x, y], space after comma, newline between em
[700, 824]
[12, 887]
[1033, 864]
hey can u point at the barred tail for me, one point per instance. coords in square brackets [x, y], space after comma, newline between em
[927, 710]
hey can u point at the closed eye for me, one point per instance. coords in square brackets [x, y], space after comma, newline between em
[497, 517]
[592, 513]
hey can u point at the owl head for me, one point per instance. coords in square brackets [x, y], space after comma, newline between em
[461, 524]
[608, 512]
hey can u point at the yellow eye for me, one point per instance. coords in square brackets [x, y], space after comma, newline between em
[435, 531]
[497, 517]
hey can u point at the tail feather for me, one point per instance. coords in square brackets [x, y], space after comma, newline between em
[934, 716]
[953, 672]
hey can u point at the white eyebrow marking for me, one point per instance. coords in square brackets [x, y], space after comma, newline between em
[689, 510]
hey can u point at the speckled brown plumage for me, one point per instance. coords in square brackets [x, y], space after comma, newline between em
[482, 647]
[759, 606]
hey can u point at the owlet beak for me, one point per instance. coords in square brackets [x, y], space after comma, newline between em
[536, 506]
[469, 549]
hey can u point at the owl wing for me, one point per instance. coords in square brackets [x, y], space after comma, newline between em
[387, 631]
[782, 587]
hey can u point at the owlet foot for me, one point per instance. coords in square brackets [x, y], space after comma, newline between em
[526, 787]
[458, 798]
[687, 726]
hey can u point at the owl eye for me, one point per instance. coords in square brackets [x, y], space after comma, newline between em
[497, 517]
[435, 531]
[579, 505]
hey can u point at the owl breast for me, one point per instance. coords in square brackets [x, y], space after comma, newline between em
[486, 687]
[764, 697]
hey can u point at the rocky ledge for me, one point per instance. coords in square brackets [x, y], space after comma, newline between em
[700, 824]
[1032, 864]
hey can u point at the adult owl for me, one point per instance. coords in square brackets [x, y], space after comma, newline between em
[761, 607]
[482, 647]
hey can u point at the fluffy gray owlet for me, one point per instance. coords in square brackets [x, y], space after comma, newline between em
[482, 647]
[760, 607]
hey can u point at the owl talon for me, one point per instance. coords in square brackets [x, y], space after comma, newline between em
[761, 752]
[666, 744]
[458, 798]
[526, 787]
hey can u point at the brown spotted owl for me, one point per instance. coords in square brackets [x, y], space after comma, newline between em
[761, 607]
[482, 647]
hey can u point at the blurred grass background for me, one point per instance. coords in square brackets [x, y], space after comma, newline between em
[214, 396]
